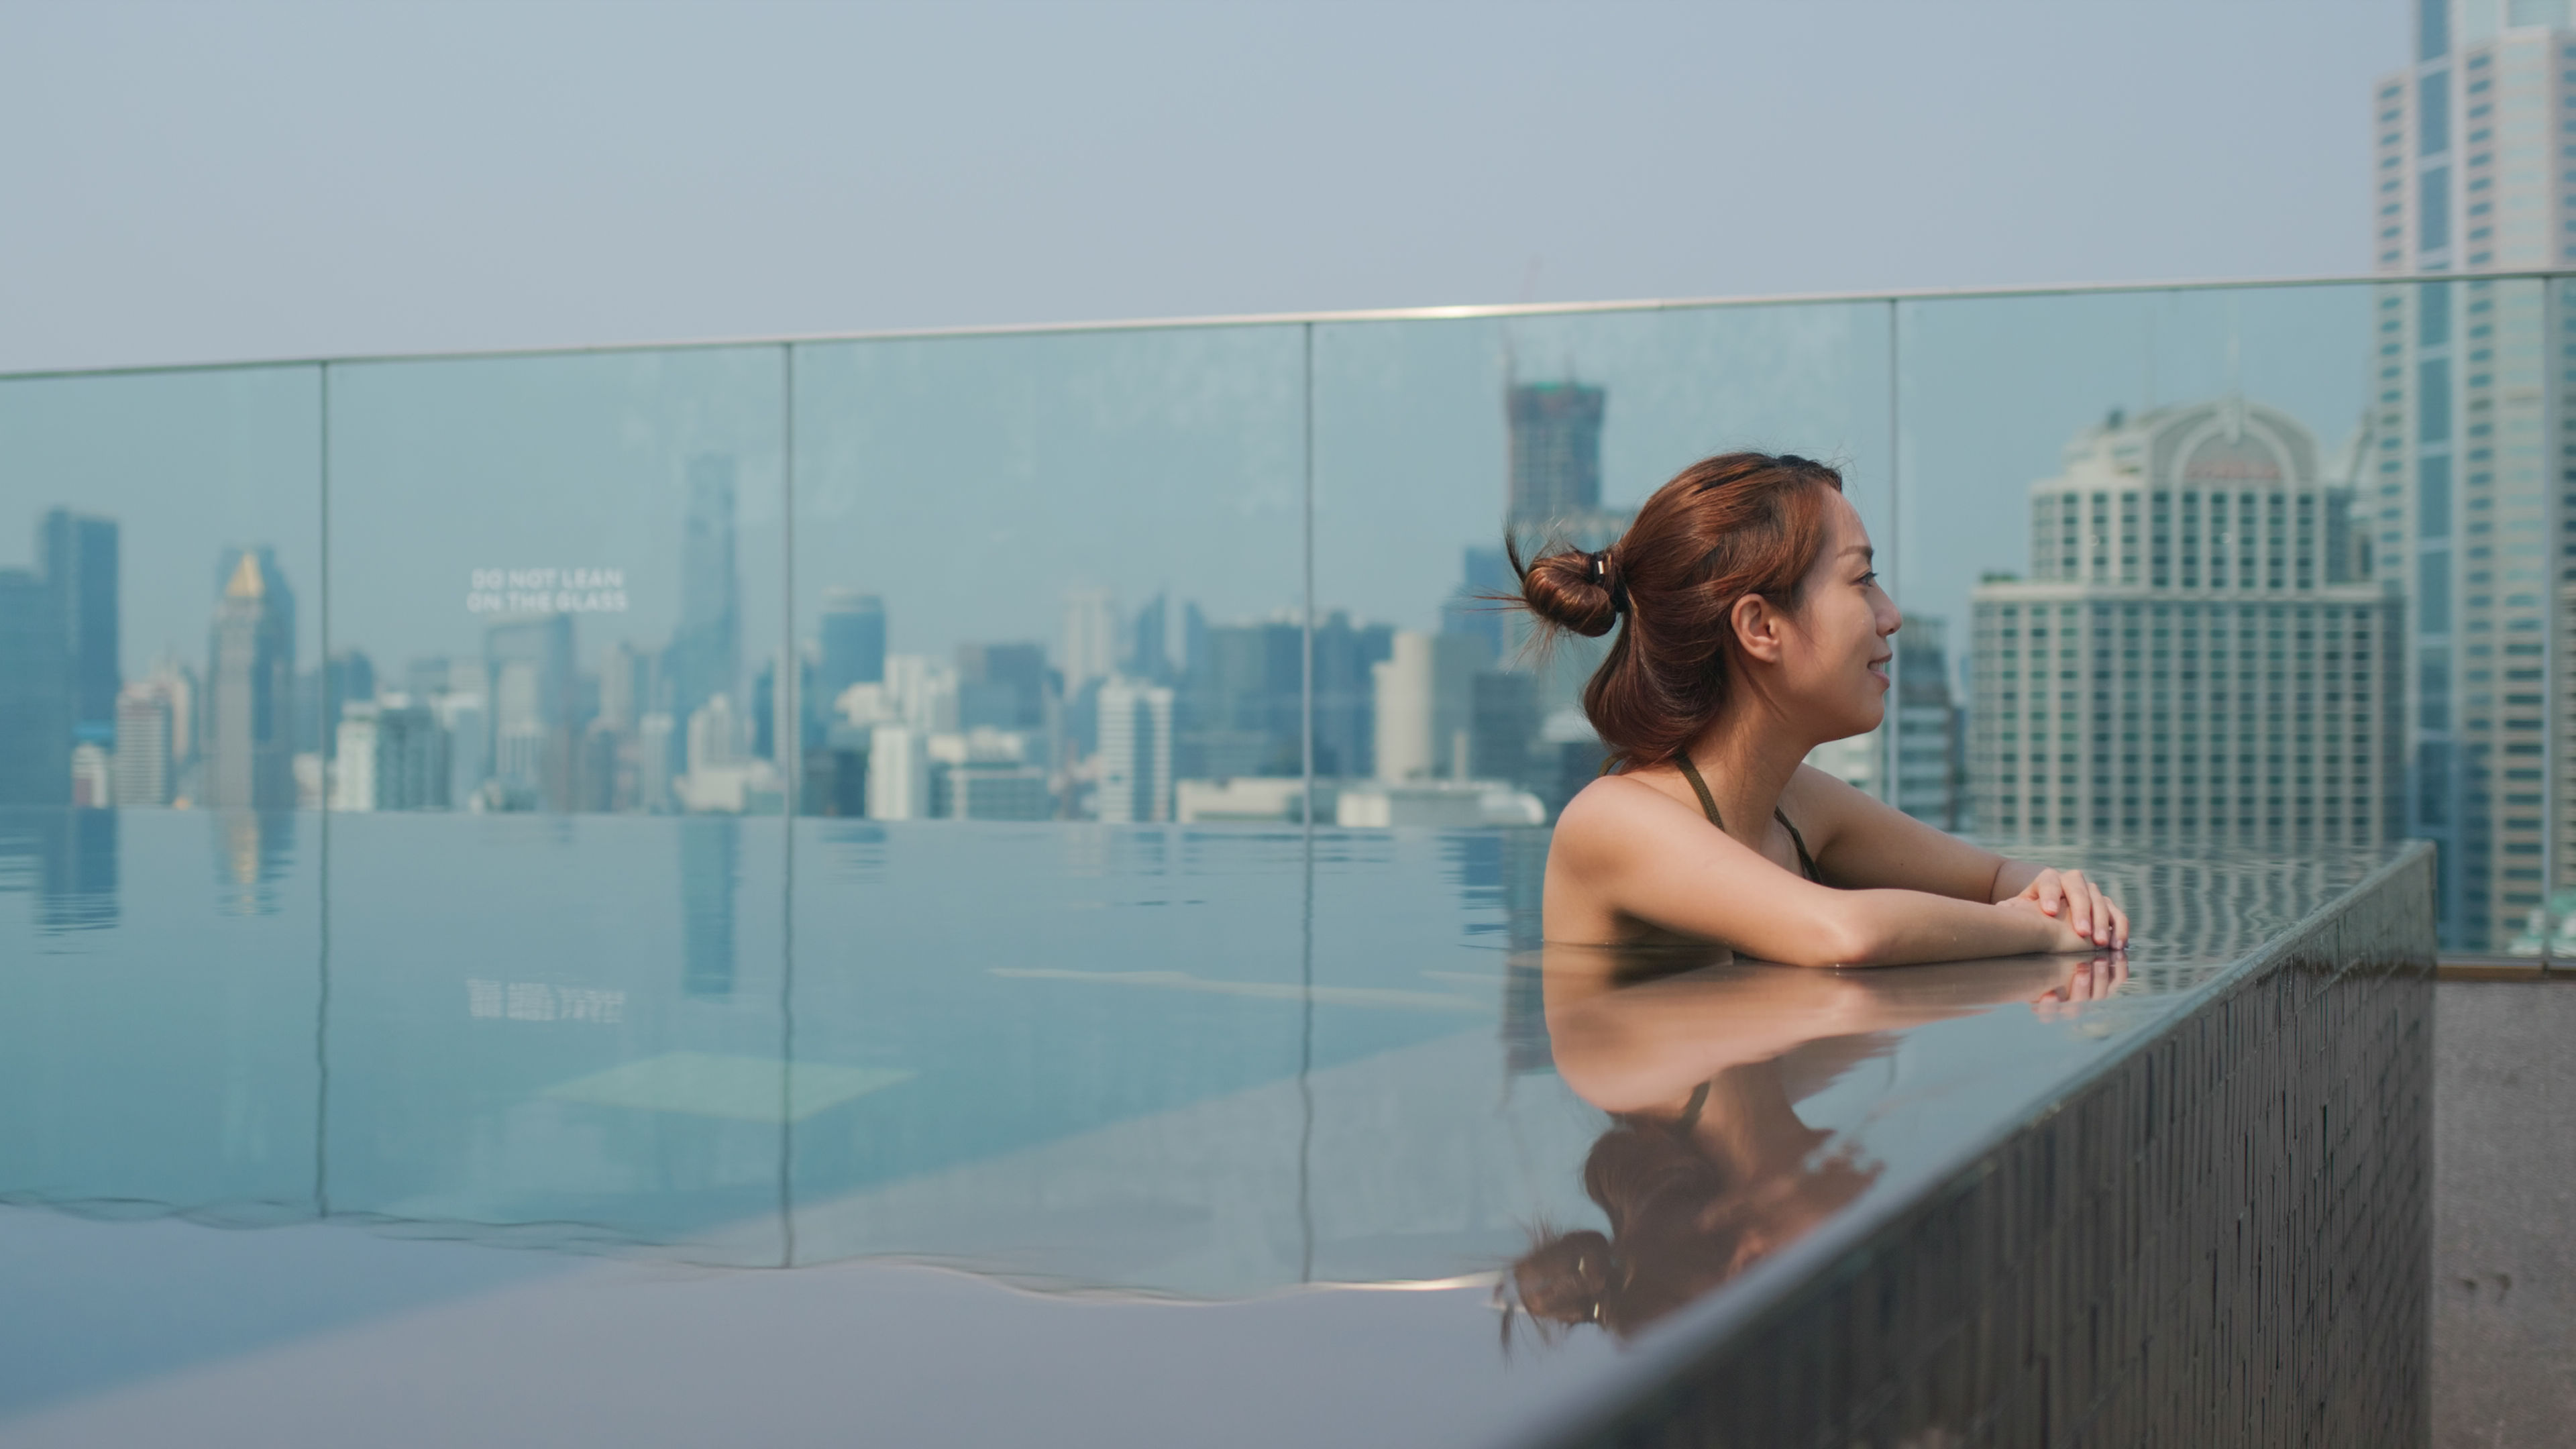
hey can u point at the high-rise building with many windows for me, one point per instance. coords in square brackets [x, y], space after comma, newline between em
[705, 654]
[2475, 175]
[80, 561]
[854, 643]
[1555, 450]
[35, 693]
[145, 764]
[1135, 783]
[250, 686]
[2200, 651]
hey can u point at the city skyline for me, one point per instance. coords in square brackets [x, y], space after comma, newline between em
[1433, 720]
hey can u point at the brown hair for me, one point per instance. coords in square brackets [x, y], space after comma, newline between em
[1680, 1225]
[1725, 527]
[1657, 1255]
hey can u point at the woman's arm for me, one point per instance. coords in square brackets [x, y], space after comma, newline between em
[1627, 848]
[1860, 840]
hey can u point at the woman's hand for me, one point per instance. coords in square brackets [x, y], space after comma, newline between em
[2079, 904]
[2061, 935]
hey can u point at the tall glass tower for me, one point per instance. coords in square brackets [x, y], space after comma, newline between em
[250, 685]
[1555, 450]
[79, 554]
[705, 658]
[2476, 175]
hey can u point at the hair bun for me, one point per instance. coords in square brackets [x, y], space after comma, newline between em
[1574, 590]
[1564, 1279]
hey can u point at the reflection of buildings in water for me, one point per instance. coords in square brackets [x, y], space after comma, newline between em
[1506, 871]
[69, 864]
[710, 866]
[252, 850]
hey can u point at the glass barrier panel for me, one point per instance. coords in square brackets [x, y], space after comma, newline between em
[1434, 438]
[1049, 577]
[1452, 743]
[557, 581]
[160, 635]
[1043, 583]
[2196, 549]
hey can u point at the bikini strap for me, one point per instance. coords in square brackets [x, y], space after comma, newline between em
[1699, 787]
[1806, 862]
[1708, 803]
[1690, 1114]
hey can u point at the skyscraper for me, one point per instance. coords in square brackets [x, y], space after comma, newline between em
[391, 757]
[35, 693]
[1469, 609]
[1135, 757]
[1345, 694]
[1931, 755]
[898, 773]
[1148, 655]
[2467, 485]
[1555, 450]
[353, 771]
[1002, 686]
[623, 681]
[2199, 651]
[145, 767]
[250, 681]
[705, 657]
[348, 677]
[1090, 637]
[1241, 704]
[1552, 497]
[529, 661]
[1425, 701]
[79, 555]
[854, 643]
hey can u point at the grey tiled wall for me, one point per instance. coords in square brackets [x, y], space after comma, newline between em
[2222, 1239]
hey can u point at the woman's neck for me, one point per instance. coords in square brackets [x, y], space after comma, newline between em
[1747, 755]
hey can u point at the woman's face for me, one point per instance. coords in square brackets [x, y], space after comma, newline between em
[1835, 660]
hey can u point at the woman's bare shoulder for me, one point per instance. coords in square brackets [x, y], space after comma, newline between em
[1610, 810]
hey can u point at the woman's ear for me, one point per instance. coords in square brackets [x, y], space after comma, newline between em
[1757, 628]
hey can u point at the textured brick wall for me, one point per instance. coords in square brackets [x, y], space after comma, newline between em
[2223, 1239]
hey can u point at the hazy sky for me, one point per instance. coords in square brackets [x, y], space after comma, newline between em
[226, 181]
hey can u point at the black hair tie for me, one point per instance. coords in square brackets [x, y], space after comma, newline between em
[1601, 579]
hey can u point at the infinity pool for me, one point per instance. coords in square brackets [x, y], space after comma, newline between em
[389, 1129]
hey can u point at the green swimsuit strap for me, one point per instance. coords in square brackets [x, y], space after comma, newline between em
[1708, 803]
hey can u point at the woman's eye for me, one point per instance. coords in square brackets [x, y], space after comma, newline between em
[1869, 579]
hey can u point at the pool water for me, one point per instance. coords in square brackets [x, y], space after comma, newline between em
[290, 1101]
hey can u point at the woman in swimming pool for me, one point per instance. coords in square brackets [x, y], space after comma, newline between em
[1751, 629]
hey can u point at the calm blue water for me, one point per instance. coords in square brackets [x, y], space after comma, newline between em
[267, 1087]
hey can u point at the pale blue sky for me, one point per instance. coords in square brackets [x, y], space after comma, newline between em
[215, 181]
[212, 182]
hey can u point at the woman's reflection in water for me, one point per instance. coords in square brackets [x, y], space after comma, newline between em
[1700, 1062]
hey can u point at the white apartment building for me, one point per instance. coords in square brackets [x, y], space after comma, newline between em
[1135, 760]
[144, 766]
[2476, 175]
[2199, 651]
